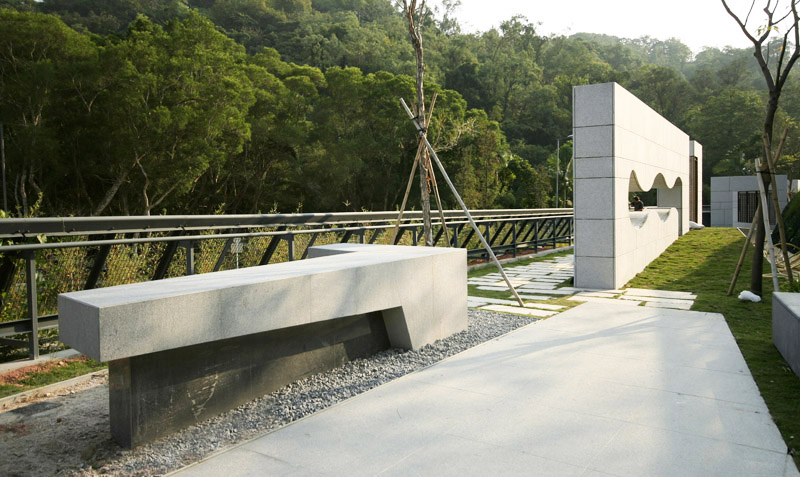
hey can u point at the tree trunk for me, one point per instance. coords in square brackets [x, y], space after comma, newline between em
[414, 17]
[774, 86]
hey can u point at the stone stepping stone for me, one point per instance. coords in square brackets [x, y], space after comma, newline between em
[597, 294]
[519, 311]
[544, 306]
[538, 286]
[487, 288]
[655, 300]
[494, 301]
[514, 283]
[660, 293]
[679, 306]
[534, 297]
[597, 290]
[555, 291]
[602, 300]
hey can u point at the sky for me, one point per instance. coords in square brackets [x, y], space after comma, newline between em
[697, 23]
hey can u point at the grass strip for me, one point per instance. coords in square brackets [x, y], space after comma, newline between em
[47, 373]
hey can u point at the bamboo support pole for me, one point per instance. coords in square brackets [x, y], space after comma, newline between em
[489, 250]
[771, 163]
[765, 217]
[744, 251]
[420, 148]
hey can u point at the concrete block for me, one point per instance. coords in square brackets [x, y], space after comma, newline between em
[720, 183]
[594, 272]
[594, 238]
[738, 183]
[173, 338]
[196, 309]
[594, 167]
[786, 327]
[593, 142]
[721, 196]
[593, 105]
[593, 199]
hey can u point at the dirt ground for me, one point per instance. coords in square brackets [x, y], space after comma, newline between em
[60, 432]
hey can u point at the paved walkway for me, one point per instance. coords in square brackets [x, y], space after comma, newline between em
[605, 388]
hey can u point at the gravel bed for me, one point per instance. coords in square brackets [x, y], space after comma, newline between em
[289, 403]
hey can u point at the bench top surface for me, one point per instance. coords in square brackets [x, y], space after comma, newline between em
[789, 300]
[343, 257]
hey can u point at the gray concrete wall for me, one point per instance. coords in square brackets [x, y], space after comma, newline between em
[786, 327]
[622, 146]
[724, 198]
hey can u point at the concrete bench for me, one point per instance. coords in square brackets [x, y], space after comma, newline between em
[184, 349]
[786, 327]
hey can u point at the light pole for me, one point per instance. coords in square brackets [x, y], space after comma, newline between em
[558, 165]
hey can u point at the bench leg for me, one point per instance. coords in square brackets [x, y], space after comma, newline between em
[155, 394]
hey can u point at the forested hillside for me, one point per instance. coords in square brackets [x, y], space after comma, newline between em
[243, 106]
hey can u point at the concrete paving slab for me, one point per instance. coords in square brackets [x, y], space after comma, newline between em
[648, 299]
[538, 286]
[594, 299]
[545, 306]
[604, 388]
[488, 288]
[519, 311]
[659, 304]
[600, 290]
[659, 293]
[533, 297]
[514, 283]
[494, 301]
[547, 291]
[597, 294]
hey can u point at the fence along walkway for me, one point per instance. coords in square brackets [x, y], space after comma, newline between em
[42, 257]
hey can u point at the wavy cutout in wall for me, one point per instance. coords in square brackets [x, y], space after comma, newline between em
[658, 182]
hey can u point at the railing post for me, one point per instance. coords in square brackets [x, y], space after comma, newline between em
[455, 236]
[290, 245]
[33, 306]
[536, 237]
[514, 238]
[488, 236]
[189, 245]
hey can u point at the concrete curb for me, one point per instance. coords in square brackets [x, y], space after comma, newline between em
[9, 401]
[12, 365]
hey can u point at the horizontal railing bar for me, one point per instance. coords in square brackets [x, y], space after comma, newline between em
[9, 328]
[62, 226]
[131, 241]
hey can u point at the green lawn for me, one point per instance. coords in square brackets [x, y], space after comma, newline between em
[703, 262]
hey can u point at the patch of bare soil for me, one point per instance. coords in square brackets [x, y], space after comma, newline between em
[59, 432]
[13, 377]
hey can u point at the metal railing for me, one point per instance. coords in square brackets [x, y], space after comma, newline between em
[41, 257]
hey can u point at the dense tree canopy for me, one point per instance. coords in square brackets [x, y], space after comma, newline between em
[200, 106]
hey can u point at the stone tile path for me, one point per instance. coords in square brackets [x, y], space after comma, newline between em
[539, 281]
